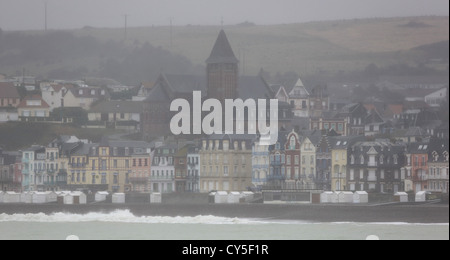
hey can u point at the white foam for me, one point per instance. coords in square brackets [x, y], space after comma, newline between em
[125, 216]
[121, 216]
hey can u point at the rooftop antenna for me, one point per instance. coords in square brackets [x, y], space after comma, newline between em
[45, 15]
[171, 32]
[126, 25]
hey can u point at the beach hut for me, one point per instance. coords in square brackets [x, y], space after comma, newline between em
[221, 197]
[118, 198]
[212, 197]
[345, 197]
[155, 197]
[60, 196]
[334, 198]
[43, 197]
[233, 197]
[421, 196]
[325, 197]
[11, 197]
[76, 198]
[360, 197]
[247, 196]
[101, 196]
[401, 197]
[26, 197]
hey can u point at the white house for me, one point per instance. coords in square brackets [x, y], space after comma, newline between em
[162, 177]
[435, 98]
[53, 94]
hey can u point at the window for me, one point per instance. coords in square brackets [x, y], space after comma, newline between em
[115, 163]
[297, 159]
[104, 178]
[116, 178]
[292, 143]
[288, 157]
[352, 174]
[225, 171]
[362, 159]
[93, 178]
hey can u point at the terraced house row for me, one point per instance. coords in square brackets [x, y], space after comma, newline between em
[303, 160]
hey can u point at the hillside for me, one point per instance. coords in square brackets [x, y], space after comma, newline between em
[308, 48]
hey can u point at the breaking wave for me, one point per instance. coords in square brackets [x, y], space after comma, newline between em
[121, 216]
[125, 216]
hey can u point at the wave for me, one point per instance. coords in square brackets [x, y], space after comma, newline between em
[121, 216]
[125, 216]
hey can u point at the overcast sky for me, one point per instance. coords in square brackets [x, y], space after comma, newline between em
[68, 14]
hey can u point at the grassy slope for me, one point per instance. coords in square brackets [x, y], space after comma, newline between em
[304, 48]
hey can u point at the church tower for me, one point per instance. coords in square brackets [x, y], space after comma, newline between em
[222, 70]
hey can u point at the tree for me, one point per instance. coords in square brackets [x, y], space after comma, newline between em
[79, 115]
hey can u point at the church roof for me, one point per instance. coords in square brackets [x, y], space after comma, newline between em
[222, 51]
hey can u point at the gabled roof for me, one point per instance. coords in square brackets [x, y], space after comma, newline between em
[23, 103]
[254, 87]
[222, 51]
[7, 90]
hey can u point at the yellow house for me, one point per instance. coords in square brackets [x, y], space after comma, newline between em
[339, 157]
[107, 166]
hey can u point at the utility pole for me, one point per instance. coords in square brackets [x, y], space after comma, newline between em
[171, 32]
[45, 15]
[126, 26]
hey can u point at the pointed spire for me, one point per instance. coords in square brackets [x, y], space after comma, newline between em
[222, 51]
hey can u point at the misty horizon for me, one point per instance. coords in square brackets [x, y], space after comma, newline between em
[70, 14]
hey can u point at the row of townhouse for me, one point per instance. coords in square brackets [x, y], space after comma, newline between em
[306, 160]
[315, 160]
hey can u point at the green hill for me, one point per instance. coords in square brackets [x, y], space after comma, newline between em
[307, 48]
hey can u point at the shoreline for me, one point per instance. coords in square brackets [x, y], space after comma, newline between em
[367, 213]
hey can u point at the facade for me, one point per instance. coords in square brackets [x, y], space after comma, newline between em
[162, 177]
[292, 161]
[416, 167]
[84, 97]
[53, 94]
[277, 169]
[299, 98]
[10, 171]
[116, 114]
[226, 163]
[33, 109]
[376, 167]
[193, 169]
[9, 97]
[438, 167]
[436, 98]
[308, 166]
[340, 146]
[33, 168]
[181, 168]
[115, 166]
[260, 164]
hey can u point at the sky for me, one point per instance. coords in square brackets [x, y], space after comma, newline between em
[72, 14]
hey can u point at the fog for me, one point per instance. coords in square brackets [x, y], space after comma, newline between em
[69, 14]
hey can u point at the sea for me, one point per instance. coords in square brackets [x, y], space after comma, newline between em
[123, 225]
